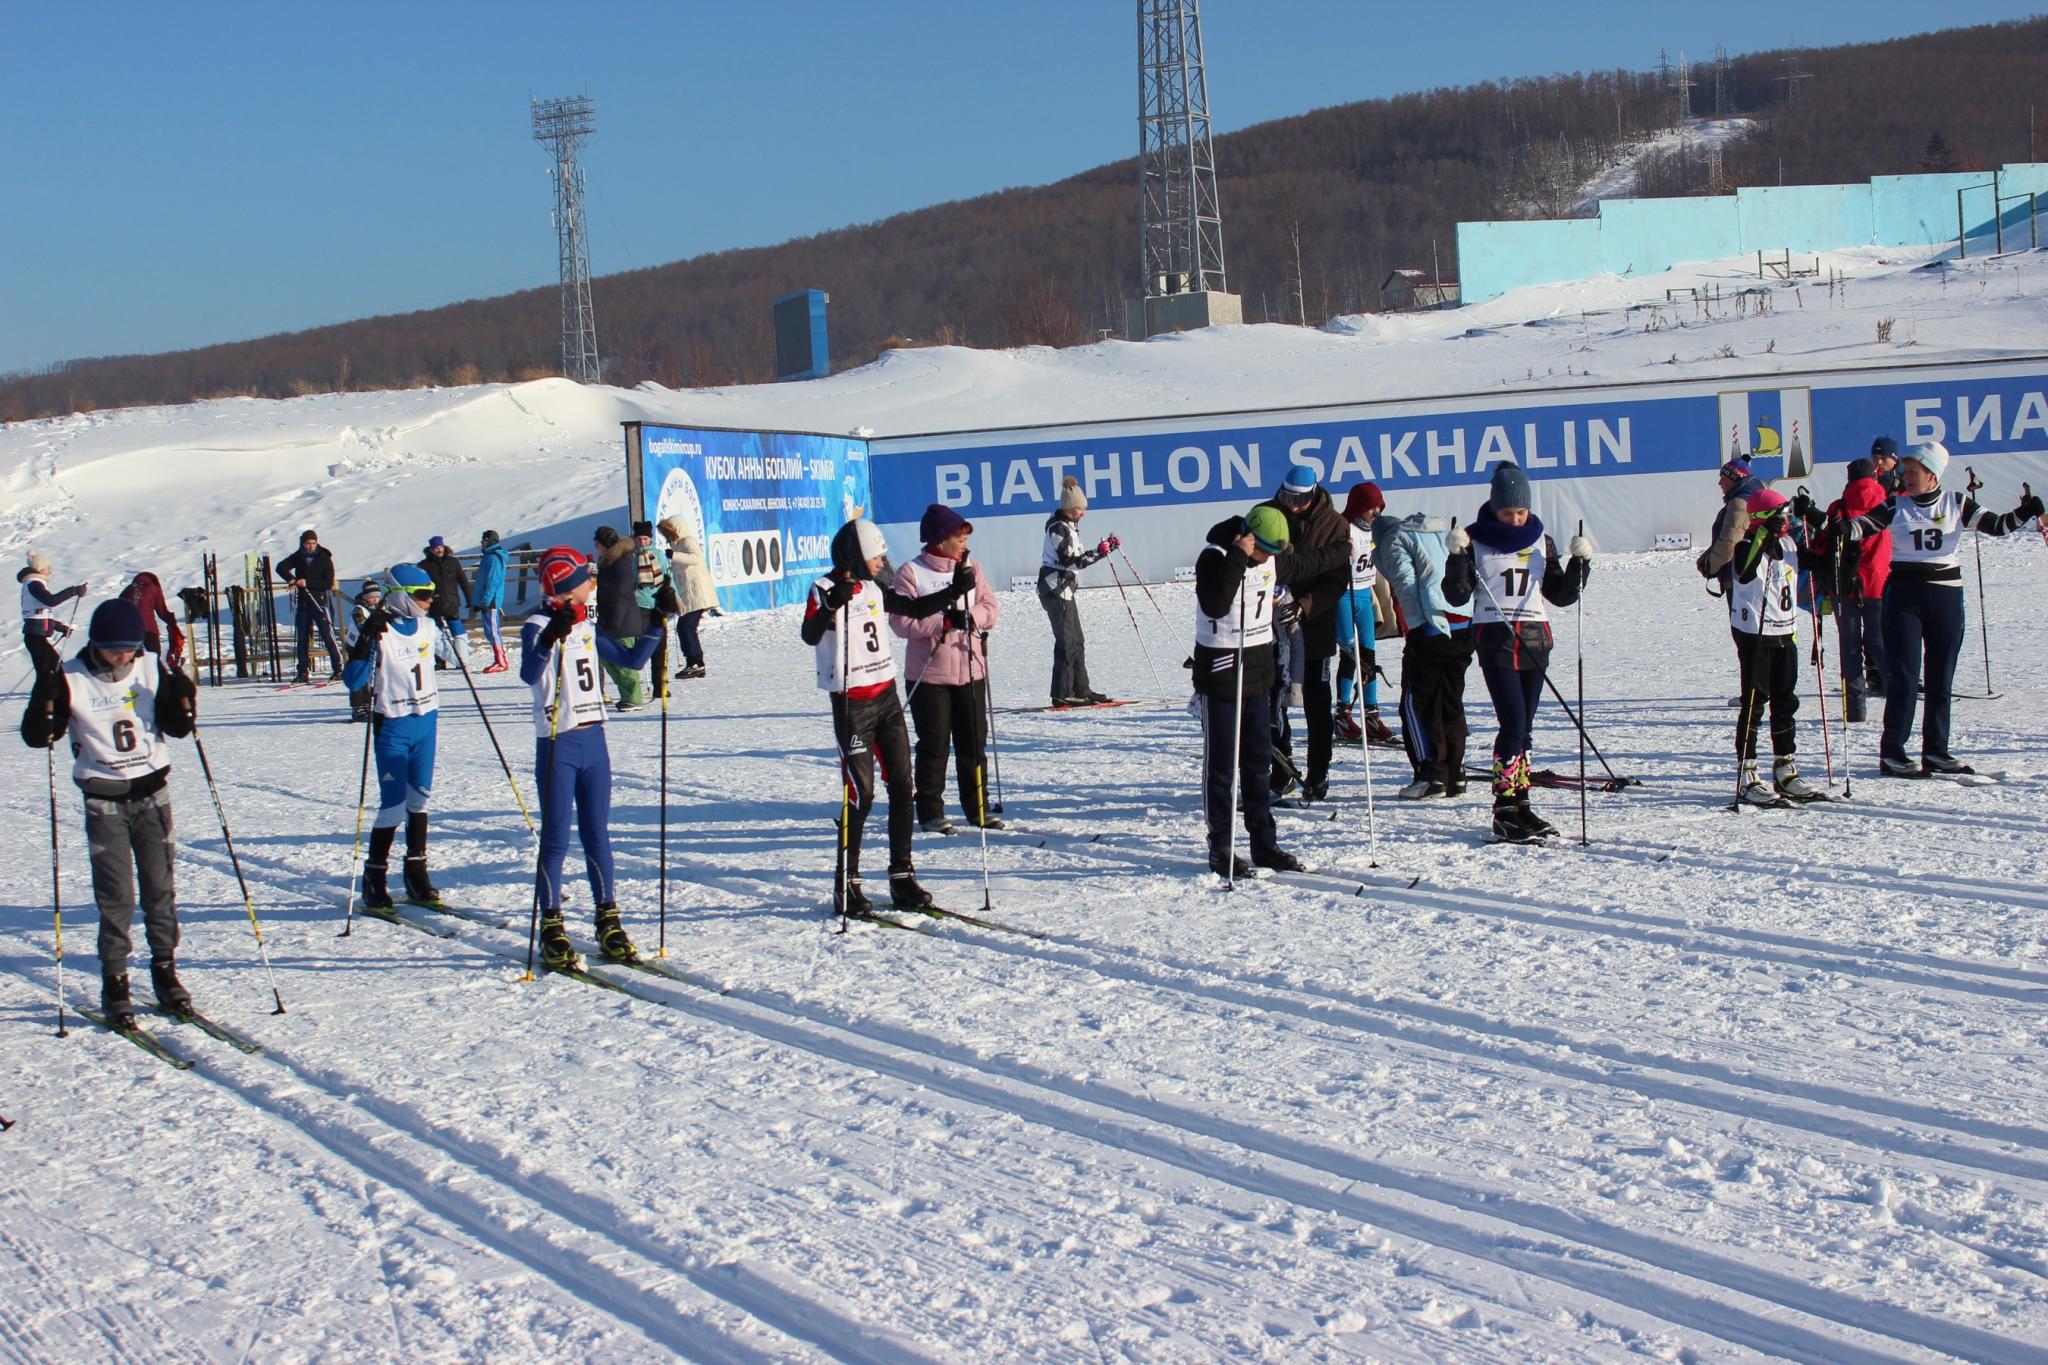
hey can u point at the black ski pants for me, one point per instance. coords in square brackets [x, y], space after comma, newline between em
[1921, 620]
[1319, 709]
[1069, 650]
[950, 717]
[1254, 770]
[309, 614]
[1770, 680]
[1433, 669]
[131, 838]
[873, 731]
[42, 652]
[1859, 628]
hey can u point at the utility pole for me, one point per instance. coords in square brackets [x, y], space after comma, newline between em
[1792, 78]
[562, 126]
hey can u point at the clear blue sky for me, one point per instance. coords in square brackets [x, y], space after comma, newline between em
[178, 174]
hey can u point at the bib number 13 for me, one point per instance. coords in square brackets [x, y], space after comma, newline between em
[1928, 540]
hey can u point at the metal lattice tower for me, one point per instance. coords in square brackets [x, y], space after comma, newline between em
[1720, 81]
[1682, 88]
[562, 126]
[1792, 77]
[1180, 227]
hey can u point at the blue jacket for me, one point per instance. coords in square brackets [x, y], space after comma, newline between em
[1410, 553]
[488, 588]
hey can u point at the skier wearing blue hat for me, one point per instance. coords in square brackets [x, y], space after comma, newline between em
[393, 659]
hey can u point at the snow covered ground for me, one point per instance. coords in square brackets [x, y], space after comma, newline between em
[1715, 1086]
[1718, 1084]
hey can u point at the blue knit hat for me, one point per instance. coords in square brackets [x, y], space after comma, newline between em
[1885, 445]
[1301, 480]
[1510, 487]
[116, 624]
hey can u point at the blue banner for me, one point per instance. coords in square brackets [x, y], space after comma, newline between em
[1786, 422]
[762, 506]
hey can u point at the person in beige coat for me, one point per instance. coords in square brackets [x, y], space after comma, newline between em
[694, 593]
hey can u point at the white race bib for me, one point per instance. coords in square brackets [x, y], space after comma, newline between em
[1253, 607]
[405, 673]
[574, 664]
[1928, 535]
[1769, 603]
[1510, 584]
[859, 643]
[113, 724]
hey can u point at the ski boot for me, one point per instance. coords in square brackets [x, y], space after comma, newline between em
[1899, 767]
[1752, 790]
[1236, 868]
[1315, 788]
[1345, 725]
[612, 937]
[691, 671]
[418, 887]
[1536, 825]
[1098, 698]
[1278, 859]
[1422, 789]
[556, 953]
[114, 1001]
[497, 663]
[906, 894]
[1942, 763]
[855, 903]
[1377, 732]
[1507, 821]
[376, 895]
[170, 992]
[938, 824]
[1790, 785]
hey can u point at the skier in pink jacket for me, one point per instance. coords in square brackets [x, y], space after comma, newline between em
[946, 663]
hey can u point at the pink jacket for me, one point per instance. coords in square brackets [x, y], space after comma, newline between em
[950, 657]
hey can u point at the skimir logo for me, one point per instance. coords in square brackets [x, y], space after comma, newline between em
[1771, 428]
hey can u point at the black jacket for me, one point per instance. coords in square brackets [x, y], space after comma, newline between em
[451, 586]
[619, 613]
[849, 567]
[1315, 527]
[48, 717]
[316, 568]
[1217, 576]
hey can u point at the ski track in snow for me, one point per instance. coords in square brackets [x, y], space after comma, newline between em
[1718, 1084]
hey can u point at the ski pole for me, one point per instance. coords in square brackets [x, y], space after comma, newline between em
[995, 752]
[1139, 579]
[1372, 823]
[235, 861]
[56, 895]
[362, 800]
[1142, 646]
[1983, 617]
[1236, 753]
[2026, 491]
[1579, 648]
[981, 794]
[1820, 684]
[1847, 730]
[661, 669]
[546, 783]
[485, 716]
[1573, 716]
[845, 763]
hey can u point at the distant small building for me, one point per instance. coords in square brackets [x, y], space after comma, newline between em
[1409, 289]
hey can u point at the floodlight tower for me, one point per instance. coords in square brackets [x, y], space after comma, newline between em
[1180, 227]
[562, 126]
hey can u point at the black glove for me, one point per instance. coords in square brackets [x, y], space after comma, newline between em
[2029, 508]
[374, 625]
[957, 619]
[1802, 505]
[963, 578]
[560, 620]
[78, 589]
[665, 601]
[840, 593]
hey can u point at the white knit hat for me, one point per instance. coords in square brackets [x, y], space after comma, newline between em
[38, 562]
[870, 536]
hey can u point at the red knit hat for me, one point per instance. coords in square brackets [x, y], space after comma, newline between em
[1365, 500]
[562, 570]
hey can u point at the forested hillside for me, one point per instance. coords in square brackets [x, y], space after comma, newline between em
[1334, 199]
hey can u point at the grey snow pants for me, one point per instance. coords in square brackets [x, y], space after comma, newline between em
[130, 838]
[1069, 650]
